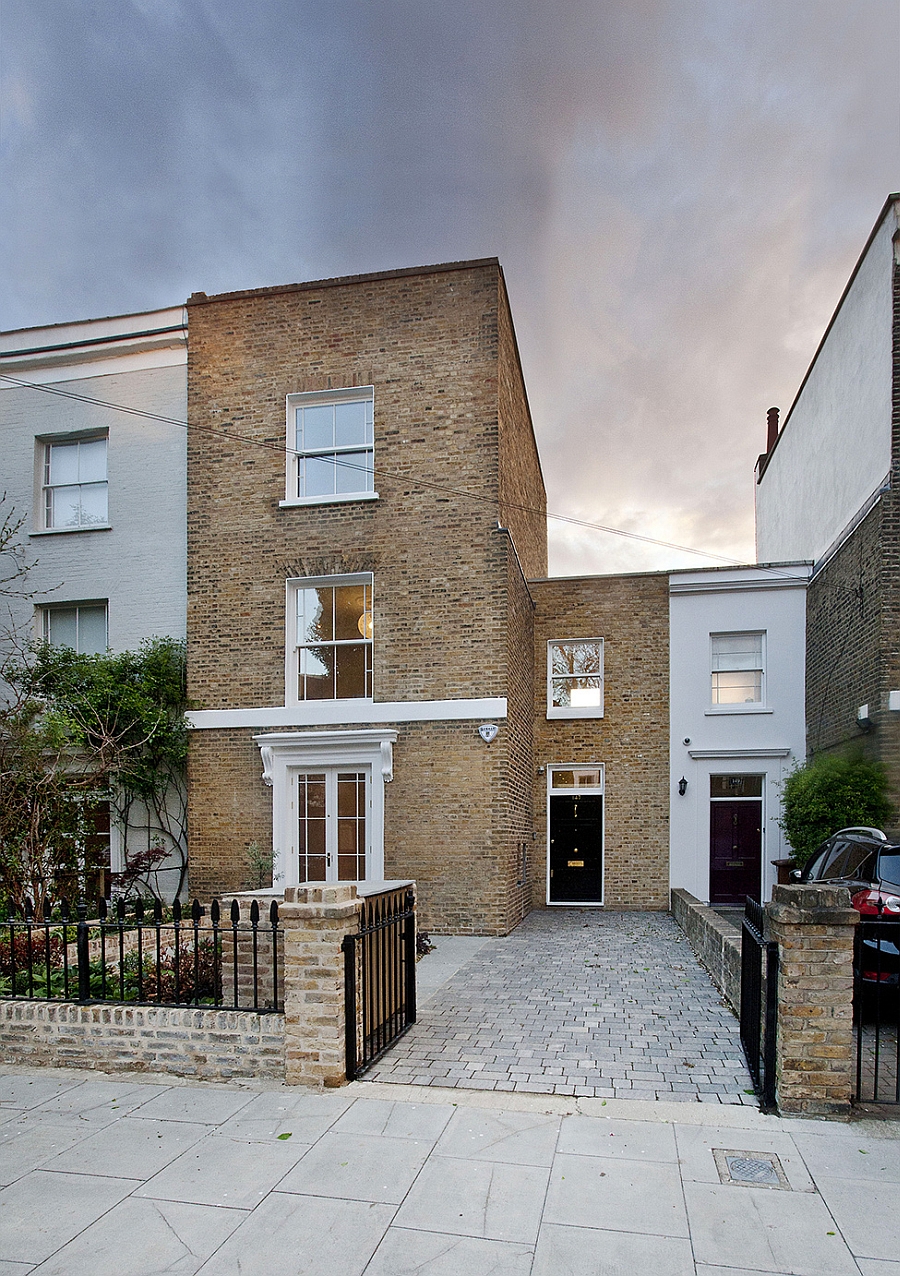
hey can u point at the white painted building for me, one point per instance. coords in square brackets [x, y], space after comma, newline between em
[94, 452]
[738, 723]
[832, 458]
[103, 490]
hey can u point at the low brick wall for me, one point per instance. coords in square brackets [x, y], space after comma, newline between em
[186, 1041]
[716, 943]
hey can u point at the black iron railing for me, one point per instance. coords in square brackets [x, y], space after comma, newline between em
[876, 1011]
[759, 1002]
[379, 977]
[144, 953]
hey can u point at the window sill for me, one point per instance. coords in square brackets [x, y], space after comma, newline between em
[72, 531]
[339, 499]
[592, 712]
[718, 710]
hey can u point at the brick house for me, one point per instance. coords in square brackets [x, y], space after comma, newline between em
[828, 489]
[387, 683]
[355, 617]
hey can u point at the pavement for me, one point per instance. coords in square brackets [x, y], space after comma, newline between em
[575, 1002]
[139, 1175]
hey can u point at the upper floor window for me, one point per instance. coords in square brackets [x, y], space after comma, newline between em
[81, 626]
[329, 653]
[575, 678]
[331, 447]
[74, 484]
[737, 668]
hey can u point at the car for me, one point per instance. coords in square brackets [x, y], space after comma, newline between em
[868, 864]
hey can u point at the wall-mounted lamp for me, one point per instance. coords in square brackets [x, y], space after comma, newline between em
[682, 787]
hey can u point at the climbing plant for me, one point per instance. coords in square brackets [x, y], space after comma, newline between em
[75, 729]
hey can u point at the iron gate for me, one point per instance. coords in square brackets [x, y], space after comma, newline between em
[379, 977]
[876, 1011]
[759, 1001]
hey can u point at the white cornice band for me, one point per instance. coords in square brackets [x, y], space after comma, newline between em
[333, 713]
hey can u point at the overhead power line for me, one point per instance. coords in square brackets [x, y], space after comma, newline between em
[380, 471]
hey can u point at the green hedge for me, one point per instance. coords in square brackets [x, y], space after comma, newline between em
[831, 793]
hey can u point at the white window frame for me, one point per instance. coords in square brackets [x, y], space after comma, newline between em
[295, 456]
[47, 488]
[738, 706]
[575, 711]
[292, 645]
[95, 604]
[285, 754]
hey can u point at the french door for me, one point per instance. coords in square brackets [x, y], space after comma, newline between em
[331, 806]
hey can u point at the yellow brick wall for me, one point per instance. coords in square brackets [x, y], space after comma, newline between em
[451, 612]
[631, 614]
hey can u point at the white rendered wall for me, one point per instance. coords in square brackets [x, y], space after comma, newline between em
[768, 739]
[835, 448]
[139, 564]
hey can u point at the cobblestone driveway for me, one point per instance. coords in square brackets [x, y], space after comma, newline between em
[579, 1002]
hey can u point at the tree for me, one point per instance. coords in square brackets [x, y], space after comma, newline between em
[829, 793]
[78, 728]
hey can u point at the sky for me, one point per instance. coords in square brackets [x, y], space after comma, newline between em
[677, 191]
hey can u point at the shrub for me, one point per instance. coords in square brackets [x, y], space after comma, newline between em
[830, 793]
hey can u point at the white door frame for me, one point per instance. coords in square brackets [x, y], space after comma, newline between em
[593, 790]
[286, 753]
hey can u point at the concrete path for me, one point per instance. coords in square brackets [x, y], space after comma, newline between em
[103, 1176]
[574, 1002]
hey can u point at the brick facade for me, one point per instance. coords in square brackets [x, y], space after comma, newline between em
[630, 741]
[452, 615]
[212, 1045]
[853, 624]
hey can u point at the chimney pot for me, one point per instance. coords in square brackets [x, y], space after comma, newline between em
[772, 428]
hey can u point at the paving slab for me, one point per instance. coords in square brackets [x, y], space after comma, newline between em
[42, 1211]
[25, 1145]
[476, 1198]
[616, 1195]
[611, 1004]
[303, 1236]
[583, 1251]
[27, 1090]
[99, 1101]
[224, 1172]
[196, 1104]
[284, 1112]
[140, 1148]
[765, 1230]
[511, 1138]
[359, 1167]
[405, 1252]
[392, 1179]
[868, 1214]
[139, 1236]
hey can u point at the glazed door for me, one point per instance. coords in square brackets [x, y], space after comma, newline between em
[331, 806]
[735, 851]
[576, 836]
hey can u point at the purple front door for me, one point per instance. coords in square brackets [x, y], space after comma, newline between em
[735, 851]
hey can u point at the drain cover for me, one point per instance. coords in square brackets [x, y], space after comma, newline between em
[750, 1169]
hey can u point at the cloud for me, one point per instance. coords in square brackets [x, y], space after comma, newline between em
[677, 190]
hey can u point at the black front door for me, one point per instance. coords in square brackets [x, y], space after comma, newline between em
[735, 851]
[576, 848]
